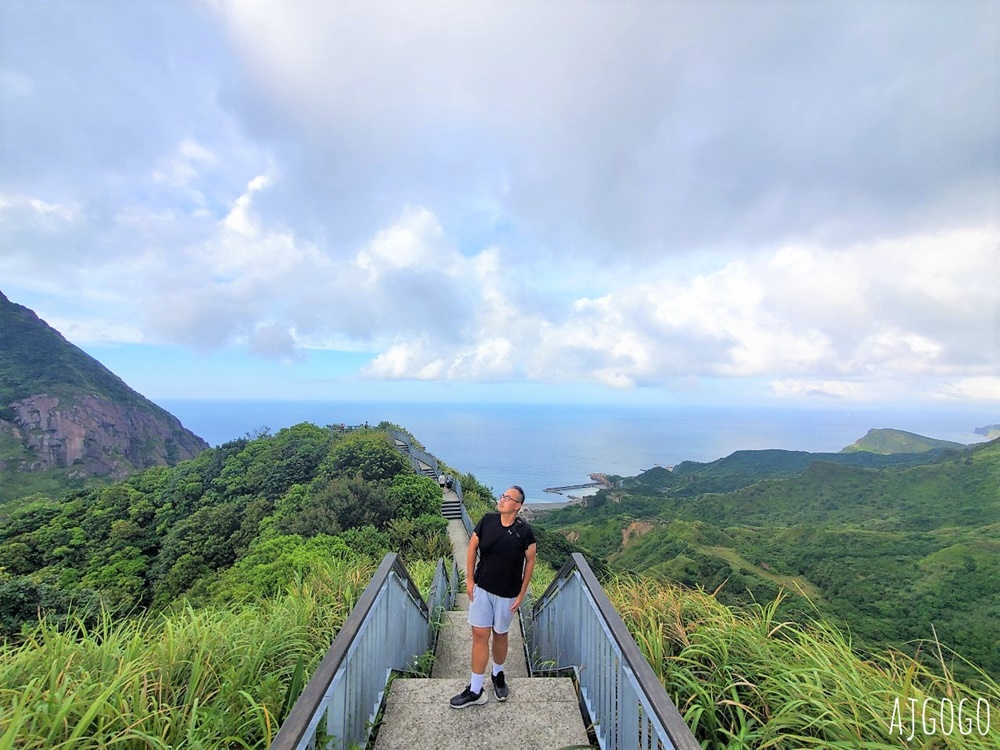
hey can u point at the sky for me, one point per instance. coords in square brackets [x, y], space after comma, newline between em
[673, 202]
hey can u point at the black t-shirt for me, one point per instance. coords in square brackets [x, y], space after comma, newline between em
[501, 554]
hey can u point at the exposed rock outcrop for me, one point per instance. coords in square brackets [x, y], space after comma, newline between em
[93, 436]
[635, 529]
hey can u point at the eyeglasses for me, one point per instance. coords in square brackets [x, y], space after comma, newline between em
[505, 496]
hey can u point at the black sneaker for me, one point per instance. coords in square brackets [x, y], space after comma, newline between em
[500, 687]
[468, 698]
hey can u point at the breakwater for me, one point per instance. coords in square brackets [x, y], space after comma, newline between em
[560, 490]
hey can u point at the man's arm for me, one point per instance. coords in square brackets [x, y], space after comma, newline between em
[470, 564]
[529, 569]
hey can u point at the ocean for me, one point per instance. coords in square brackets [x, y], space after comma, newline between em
[548, 445]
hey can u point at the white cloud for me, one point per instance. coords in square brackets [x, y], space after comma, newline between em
[638, 129]
[405, 361]
[46, 215]
[845, 319]
[984, 388]
[274, 341]
[96, 330]
[183, 166]
[797, 388]
[239, 220]
[409, 243]
[893, 350]
[636, 196]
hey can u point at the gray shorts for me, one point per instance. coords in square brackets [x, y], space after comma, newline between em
[490, 611]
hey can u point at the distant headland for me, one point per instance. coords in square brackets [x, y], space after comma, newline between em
[991, 431]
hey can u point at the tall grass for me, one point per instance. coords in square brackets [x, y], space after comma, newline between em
[743, 679]
[199, 679]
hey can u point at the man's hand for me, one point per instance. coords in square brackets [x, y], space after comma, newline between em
[470, 565]
[516, 603]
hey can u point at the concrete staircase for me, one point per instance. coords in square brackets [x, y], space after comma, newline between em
[417, 459]
[451, 508]
[540, 714]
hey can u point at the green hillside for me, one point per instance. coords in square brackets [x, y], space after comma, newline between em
[859, 545]
[743, 468]
[164, 533]
[35, 358]
[898, 441]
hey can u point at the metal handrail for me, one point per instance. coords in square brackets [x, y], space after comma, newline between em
[442, 593]
[453, 582]
[466, 520]
[575, 626]
[386, 631]
[415, 454]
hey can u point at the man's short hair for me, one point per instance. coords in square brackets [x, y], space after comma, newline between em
[523, 497]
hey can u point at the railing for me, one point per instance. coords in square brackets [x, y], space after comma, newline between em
[575, 626]
[416, 456]
[444, 589]
[466, 520]
[387, 630]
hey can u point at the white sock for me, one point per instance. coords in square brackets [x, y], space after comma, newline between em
[497, 669]
[476, 683]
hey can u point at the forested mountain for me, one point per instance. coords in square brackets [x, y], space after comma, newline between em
[236, 520]
[896, 548]
[746, 467]
[65, 418]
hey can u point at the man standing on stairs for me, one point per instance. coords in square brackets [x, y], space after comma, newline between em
[496, 587]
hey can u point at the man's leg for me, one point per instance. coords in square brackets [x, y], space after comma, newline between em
[480, 617]
[500, 689]
[500, 643]
[481, 649]
[474, 695]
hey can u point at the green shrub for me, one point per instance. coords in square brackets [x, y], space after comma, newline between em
[414, 495]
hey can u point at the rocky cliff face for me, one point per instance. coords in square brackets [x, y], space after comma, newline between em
[92, 436]
[61, 410]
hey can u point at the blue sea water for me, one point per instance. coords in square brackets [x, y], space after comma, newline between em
[548, 445]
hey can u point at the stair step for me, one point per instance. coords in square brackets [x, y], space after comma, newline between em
[542, 713]
[454, 646]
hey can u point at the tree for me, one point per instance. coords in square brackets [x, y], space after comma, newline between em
[370, 454]
[354, 502]
[415, 495]
[295, 456]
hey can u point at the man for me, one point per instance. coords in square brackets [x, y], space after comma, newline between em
[496, 588]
